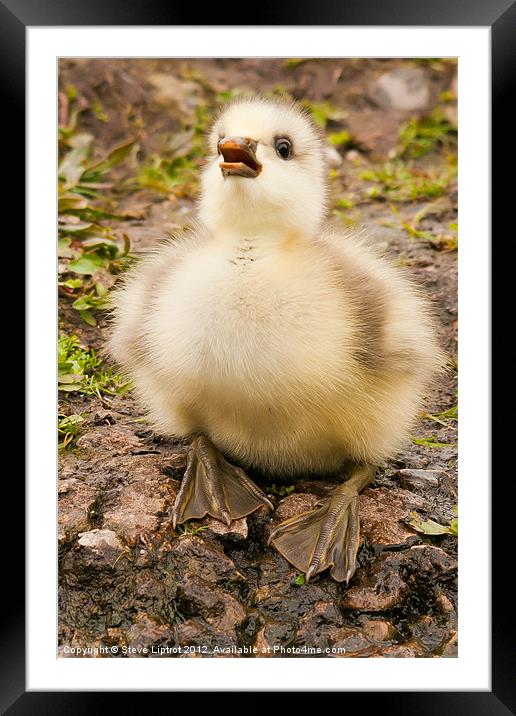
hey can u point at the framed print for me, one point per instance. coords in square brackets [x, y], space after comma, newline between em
[273, 246]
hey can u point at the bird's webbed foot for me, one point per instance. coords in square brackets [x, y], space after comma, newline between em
[212, 486]
[327, 537]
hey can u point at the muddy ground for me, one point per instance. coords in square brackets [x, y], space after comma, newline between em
[126, 579]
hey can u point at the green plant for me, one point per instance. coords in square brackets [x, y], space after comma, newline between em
[339, 139]
[431, 528]
[178, 172]
[420, 136]
[88, 249]
[299, 580]
[187, 529]
[446, 241]
[280, 490]
[68, 427]
[81, 370]
[324, 112]
[445, 417]
[399, 181]
[431, 442]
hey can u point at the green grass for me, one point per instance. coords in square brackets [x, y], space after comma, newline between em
[80, 370]
[421, 136]
[187, 529]
[445, 240]
[444, 418]
[430, 442]
[400, 181]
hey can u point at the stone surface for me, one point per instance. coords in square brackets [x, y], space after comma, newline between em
[377, 629]
[405, 89]
[76, 499]
[135, 510]
[333, 158]
[237, 528]
[146, 633]
[394, 575]
[420, 478]
[99, 548]
[382, 512]
[111, 438]
[196, 556]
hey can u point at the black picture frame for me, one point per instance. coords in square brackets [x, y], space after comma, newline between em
[500, 16]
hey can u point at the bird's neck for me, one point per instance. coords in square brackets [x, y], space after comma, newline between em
[267, 237]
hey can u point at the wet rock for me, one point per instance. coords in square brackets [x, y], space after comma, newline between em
[99, 548]
[317, 619]
[377, 629]
[264, 649]
[382, 512]
[396, 651]
[199, 598]
[136, 510]
[393, 576]
[195, 556]
[275, 634]
[196, 638]
[450, 648]
[75, 503]
[293, 505]
[420, 478]
[348, 641]
[444, 603]
[174, 464]
[405, 89]
[144, 634]
[237, 528]
[429, 633]
[114, 439]
[385, 591]
[321, 626]
[65, 486]
[277, 599]
[429, 561]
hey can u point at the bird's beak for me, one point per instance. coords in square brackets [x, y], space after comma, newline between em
[239, 154]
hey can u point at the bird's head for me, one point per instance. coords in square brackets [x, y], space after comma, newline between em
[265, 172]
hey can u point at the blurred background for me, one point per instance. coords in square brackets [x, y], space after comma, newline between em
[131, 135]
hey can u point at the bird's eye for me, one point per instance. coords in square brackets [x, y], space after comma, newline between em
[283, 148]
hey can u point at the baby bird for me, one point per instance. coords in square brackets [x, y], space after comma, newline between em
[273, 341]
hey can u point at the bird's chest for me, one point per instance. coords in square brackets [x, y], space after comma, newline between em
[252, 320]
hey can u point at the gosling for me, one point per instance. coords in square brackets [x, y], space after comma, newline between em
[273, 341]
